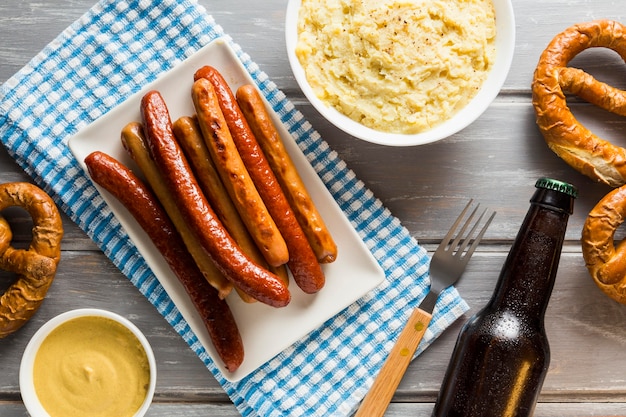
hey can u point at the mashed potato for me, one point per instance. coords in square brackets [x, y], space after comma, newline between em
[400, 66]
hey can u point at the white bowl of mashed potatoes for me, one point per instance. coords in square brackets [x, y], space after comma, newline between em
[400, 72]
[88, 362]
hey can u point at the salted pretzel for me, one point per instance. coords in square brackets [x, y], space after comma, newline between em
[606, 261]
[36, 266]
[570, 140]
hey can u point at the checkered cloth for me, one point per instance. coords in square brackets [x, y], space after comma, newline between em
[110, 53]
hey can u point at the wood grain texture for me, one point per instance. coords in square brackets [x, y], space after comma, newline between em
[496, 161]
[386, 382]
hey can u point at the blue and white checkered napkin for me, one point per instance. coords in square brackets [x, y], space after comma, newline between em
[106, 56]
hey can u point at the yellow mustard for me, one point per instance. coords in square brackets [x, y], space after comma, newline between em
[91, 367]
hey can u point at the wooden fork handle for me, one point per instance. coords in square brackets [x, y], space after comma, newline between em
[377, 399]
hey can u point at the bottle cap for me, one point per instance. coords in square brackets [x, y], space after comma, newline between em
[552, 184]
[555, 194]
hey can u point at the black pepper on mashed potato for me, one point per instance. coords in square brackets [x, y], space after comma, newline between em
[399, 66]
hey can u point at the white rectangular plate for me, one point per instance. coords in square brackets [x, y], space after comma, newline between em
[265, 331]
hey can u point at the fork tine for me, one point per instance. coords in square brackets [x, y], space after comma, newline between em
[467, 238]
[461, 233]
[448, 237]
[478, 238]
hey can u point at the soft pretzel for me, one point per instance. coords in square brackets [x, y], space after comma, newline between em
[36, 266]
[570, 140]
[606, 261]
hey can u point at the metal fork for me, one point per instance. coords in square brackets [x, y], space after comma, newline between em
[446, 267]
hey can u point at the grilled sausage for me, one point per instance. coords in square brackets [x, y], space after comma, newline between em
[133, 141]
[234, 264]
[269, 139]
[235, 176]
[189, 137]
[303, 264]
[143, 205]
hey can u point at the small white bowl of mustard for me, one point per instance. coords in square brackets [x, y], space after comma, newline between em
[89, 363]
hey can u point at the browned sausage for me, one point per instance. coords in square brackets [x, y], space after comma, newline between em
[234, 264]
[143, 205]
[235, 176]
[269, 139]
[133, 141]
[189, 137]
[303, 263]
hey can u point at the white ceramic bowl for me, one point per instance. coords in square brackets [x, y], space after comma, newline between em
[27, 388]
[505, 46]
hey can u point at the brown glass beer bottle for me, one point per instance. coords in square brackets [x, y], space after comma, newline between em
[502, 354]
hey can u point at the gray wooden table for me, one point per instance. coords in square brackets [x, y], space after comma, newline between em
[496, 161]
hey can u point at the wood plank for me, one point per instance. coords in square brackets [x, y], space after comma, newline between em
[583, 409]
